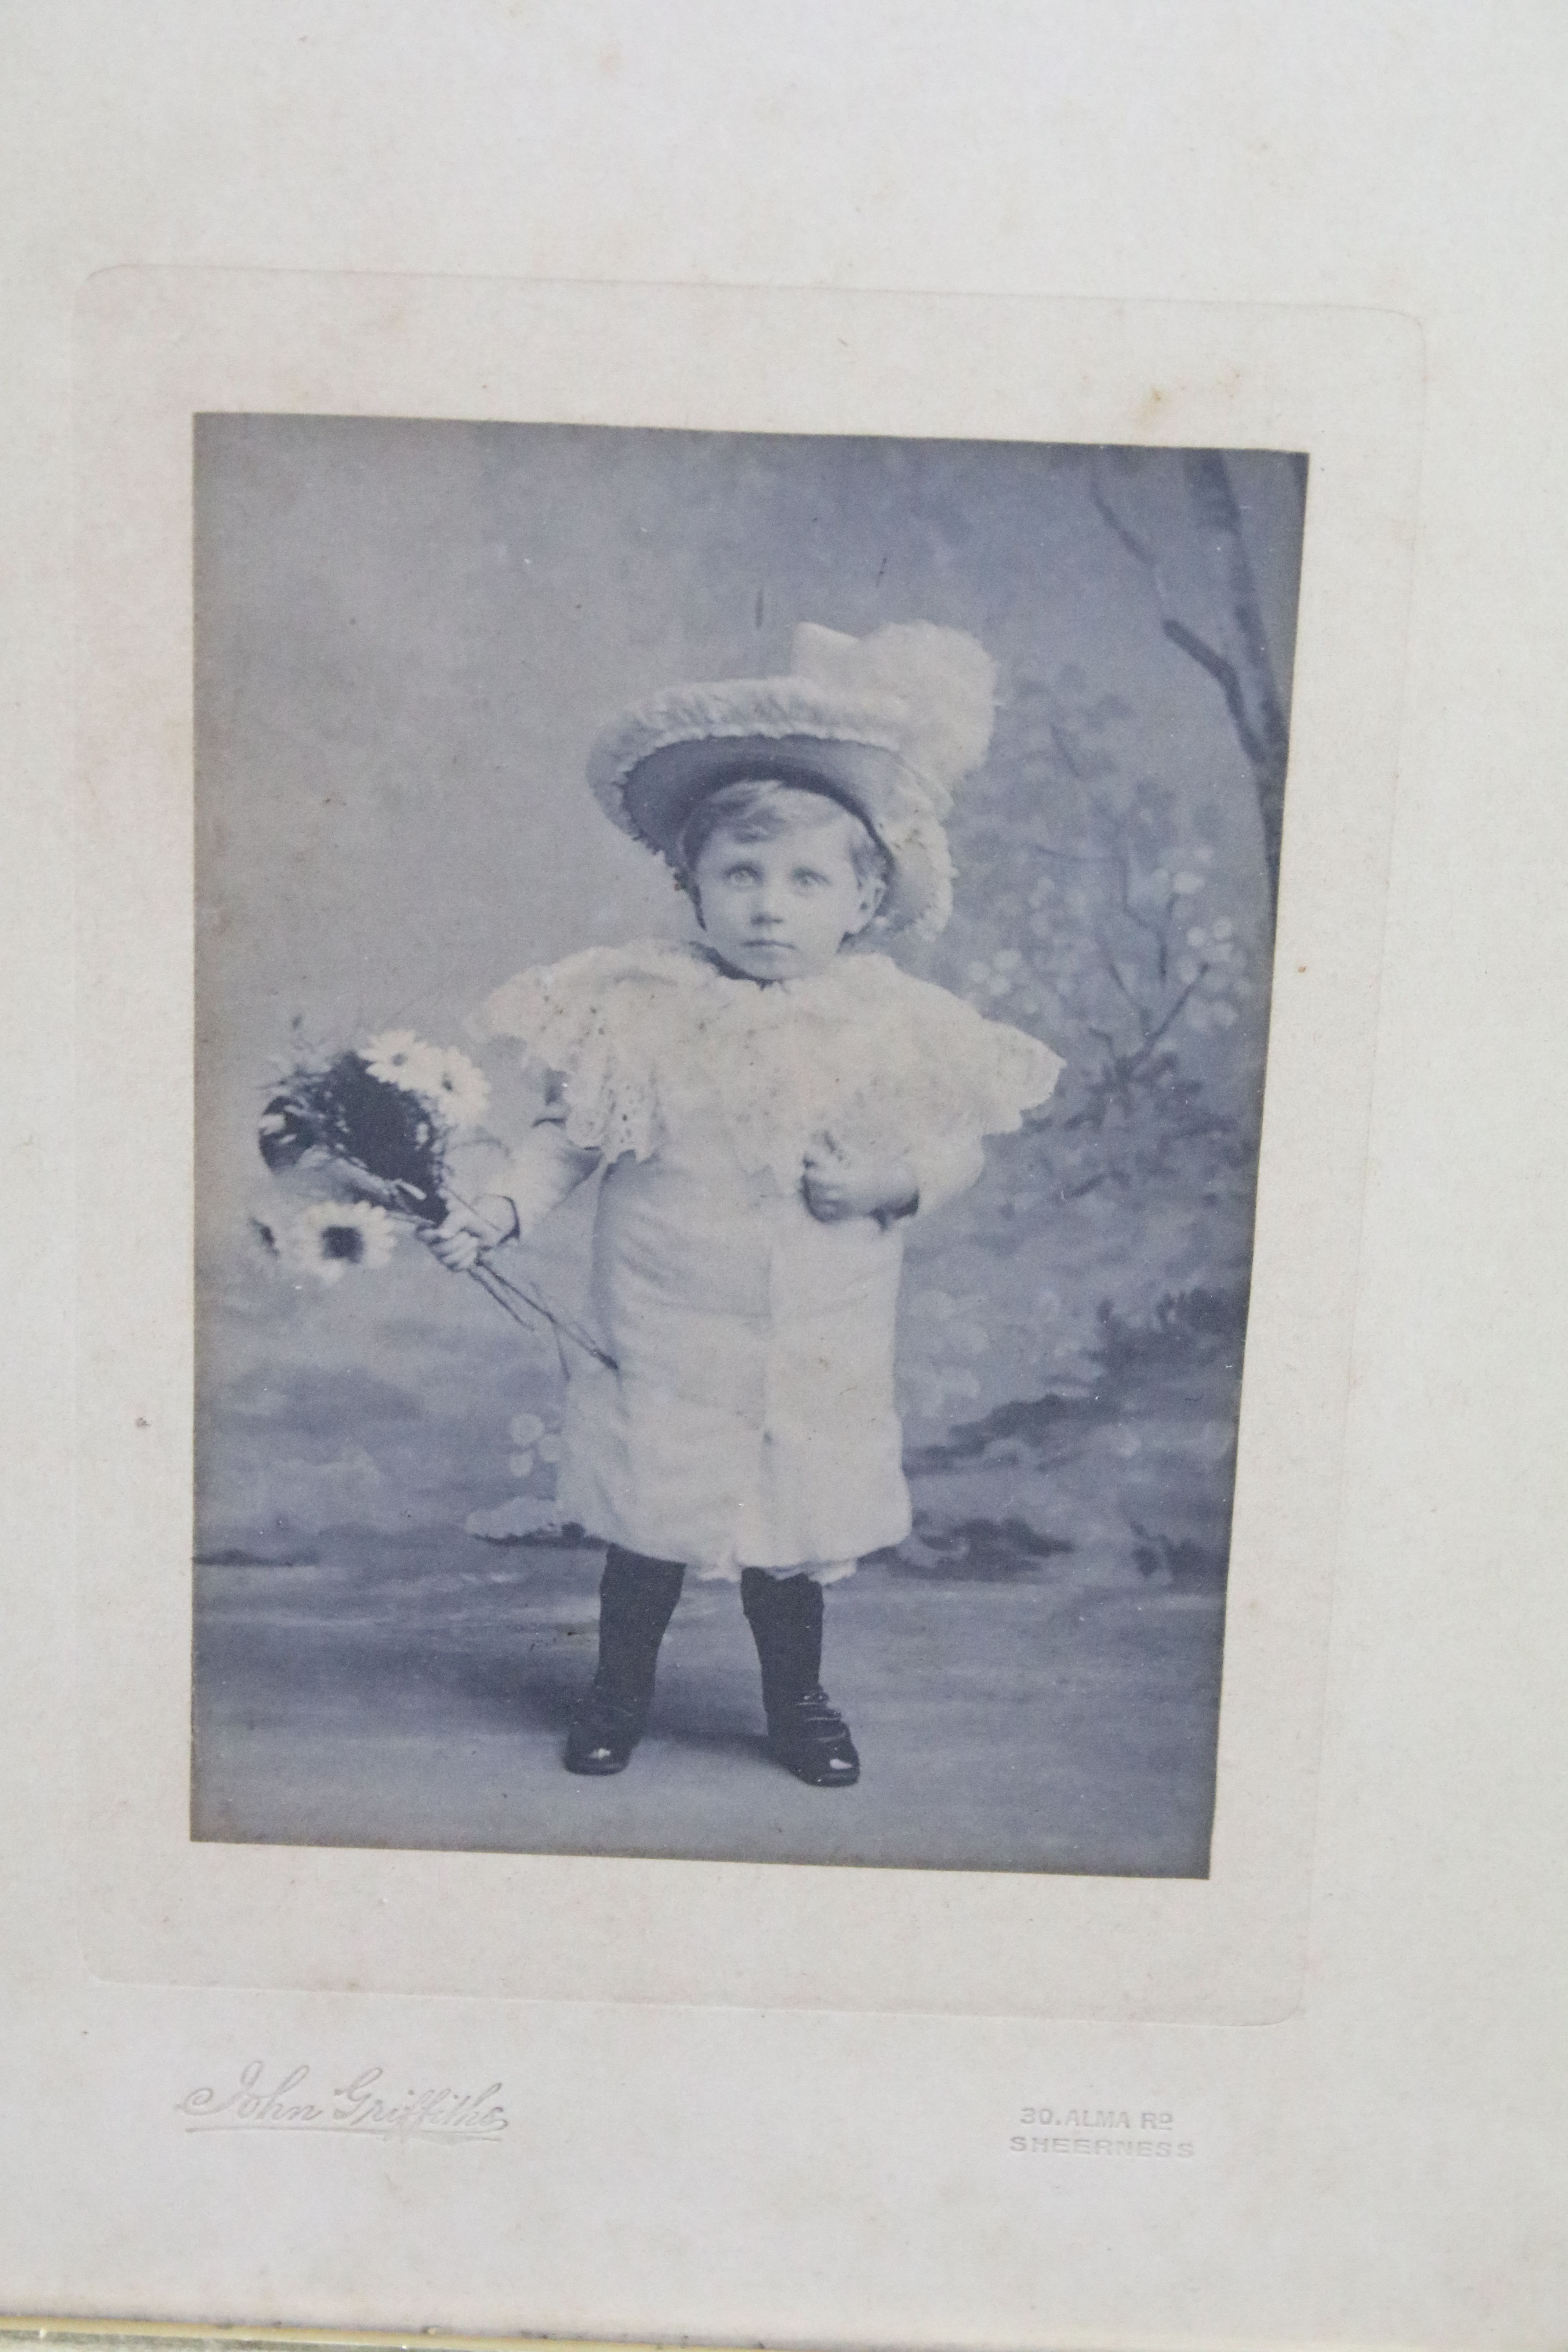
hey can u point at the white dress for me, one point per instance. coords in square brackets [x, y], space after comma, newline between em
[750, 1418]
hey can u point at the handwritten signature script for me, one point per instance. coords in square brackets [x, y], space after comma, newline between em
[366, 2106]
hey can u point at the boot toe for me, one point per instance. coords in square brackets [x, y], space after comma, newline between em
[826, 1771]
[837, 1768]
[812, 1740]
[602, 1739]
[594, 1755]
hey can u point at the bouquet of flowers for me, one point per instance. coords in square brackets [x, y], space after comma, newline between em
[374, 1126]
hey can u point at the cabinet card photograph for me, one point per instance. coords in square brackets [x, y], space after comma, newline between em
[783, 1430]
[732, 987]
[728, 1007]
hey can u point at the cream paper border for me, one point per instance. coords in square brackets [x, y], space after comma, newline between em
[155, 347]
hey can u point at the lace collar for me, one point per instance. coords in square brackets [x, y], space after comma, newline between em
[841, 987]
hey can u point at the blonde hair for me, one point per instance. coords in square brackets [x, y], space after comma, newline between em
[755, 808]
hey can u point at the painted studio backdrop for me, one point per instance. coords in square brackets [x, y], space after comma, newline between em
[407, 636]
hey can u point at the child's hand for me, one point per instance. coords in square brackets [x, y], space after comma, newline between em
[837, 1184]
[468, 1233]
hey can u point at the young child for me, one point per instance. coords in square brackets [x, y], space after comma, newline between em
[769, 1107]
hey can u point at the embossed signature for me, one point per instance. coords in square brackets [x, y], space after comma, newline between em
[366, 2107]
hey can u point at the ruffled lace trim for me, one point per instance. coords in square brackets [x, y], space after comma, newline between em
[566, 1015]
[862, 1053]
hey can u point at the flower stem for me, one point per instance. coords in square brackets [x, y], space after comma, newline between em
[505, 1293]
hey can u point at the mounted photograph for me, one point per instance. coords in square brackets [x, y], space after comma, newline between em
[732, 995]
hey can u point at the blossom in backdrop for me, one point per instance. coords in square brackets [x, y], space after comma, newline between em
[447, 1080]
[330, 1236]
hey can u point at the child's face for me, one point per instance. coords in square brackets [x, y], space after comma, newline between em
[779, 909]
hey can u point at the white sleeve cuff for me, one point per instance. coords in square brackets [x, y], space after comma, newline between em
[945, 1168]
[543, 1172]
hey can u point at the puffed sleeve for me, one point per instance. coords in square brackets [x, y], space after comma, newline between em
[579, 1020]
[541, 1174]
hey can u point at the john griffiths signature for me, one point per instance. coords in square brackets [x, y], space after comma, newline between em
[368, 2106]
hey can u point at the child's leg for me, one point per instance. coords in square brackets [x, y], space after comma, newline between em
[636, 1600]
[805, 1731]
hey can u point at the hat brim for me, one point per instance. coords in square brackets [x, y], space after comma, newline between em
[662, 791]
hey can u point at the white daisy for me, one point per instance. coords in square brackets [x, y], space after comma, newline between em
[330, 1236]
[452, 1084]
[399, 1058]
[463, 1092]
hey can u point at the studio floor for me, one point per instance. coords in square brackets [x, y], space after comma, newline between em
[414, 1692]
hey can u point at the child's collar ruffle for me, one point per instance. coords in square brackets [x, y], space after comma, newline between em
[856, 979]
[845, 981]
[862, 1051]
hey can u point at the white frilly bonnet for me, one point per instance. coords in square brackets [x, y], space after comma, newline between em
[885, 724]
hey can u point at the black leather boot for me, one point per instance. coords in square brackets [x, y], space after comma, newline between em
[807, 1734]
[637, 1601]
